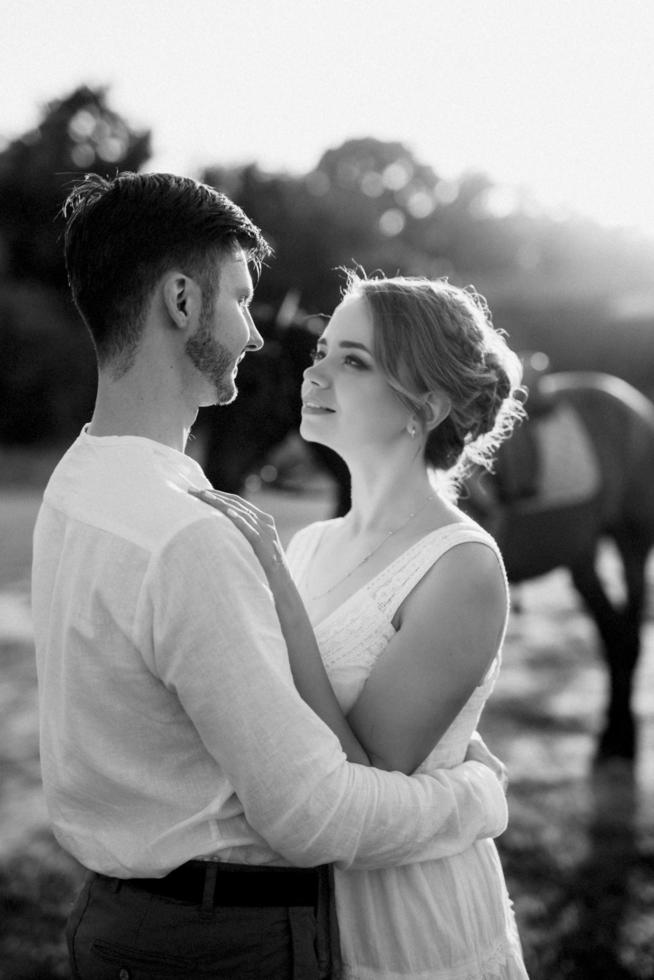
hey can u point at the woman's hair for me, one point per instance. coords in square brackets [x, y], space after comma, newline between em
[434, 338]
[123, 234]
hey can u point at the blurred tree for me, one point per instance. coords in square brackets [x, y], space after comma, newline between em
[373, 203]
[292, 221]
[552, 281]
[363, 203]
[549, 278]
[47, 374]
[77, 134]
[47, 368]
[376, 199]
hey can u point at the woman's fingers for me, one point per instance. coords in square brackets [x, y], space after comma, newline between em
[255, 525]
[221, 497]
[231, 508]
[221, 500]
[258, 527]
[249, 531]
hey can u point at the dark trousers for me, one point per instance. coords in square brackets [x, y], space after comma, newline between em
[124, 933]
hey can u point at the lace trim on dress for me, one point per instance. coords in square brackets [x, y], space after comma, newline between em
[390, 590]
[356, 630]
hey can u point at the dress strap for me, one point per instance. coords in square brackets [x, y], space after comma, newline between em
[389, 591]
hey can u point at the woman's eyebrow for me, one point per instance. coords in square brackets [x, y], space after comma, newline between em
[346, 343]
[352, 343]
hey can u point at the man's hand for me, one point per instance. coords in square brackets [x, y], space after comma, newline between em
[479, 752]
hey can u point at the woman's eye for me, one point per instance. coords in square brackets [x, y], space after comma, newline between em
[350, 360]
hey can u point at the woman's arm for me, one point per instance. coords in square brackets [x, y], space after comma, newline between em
[307, 667]
[450, 628]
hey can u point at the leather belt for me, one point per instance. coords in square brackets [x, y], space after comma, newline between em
[217, 883]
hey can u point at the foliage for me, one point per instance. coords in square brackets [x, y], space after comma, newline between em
[37, 891]
[77, 134]
[557, 284]
[553, 283]
[47, 371]
[581, 334]
[374, 203]
[367, 202]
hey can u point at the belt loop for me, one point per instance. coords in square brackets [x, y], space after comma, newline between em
[209, 890]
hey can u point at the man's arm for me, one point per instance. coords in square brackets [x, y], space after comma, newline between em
[218, 645]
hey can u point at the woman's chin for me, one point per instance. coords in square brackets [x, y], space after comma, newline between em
[310, 433]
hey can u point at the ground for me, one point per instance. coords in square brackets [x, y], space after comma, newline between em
[579, 851]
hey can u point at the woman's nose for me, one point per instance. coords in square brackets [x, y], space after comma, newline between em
[315, 376]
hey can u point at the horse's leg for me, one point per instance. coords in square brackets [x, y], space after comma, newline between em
[633, 549]
[617, 740]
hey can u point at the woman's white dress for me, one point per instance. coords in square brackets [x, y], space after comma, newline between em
[447, 919]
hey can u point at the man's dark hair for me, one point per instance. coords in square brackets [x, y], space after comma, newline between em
[124, 234]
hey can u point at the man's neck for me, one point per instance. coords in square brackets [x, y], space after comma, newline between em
[102, 425]
[125, 409]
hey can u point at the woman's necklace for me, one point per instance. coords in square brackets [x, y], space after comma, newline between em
[389, 534]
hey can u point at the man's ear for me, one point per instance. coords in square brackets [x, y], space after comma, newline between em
[178, 293]
[437, 407]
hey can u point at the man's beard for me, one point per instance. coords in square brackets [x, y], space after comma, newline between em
[213, 360]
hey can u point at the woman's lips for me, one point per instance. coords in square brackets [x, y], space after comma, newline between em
[313, 408]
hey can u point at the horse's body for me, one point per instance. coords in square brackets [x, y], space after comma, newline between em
[537, 535]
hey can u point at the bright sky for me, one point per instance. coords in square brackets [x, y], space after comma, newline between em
[556, 96]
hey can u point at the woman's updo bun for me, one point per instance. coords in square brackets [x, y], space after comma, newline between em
[434, 338]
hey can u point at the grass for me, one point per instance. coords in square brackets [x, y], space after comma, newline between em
[579, 851]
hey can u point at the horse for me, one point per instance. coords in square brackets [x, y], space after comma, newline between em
[578, 471]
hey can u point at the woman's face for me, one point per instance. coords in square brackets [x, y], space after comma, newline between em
[346, 399]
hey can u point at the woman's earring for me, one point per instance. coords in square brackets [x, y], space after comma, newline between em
[411, 429]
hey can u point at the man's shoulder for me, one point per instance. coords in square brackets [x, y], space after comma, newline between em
[138, 495]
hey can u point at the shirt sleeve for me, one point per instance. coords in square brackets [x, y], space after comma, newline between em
[218, 646]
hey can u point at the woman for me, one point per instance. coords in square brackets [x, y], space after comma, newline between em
[407, 597]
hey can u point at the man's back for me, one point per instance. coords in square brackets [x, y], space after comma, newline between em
[115, 738]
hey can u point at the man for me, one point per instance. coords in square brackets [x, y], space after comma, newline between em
[180, 766]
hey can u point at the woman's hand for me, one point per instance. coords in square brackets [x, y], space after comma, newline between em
[255, 525]
[478, 751]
